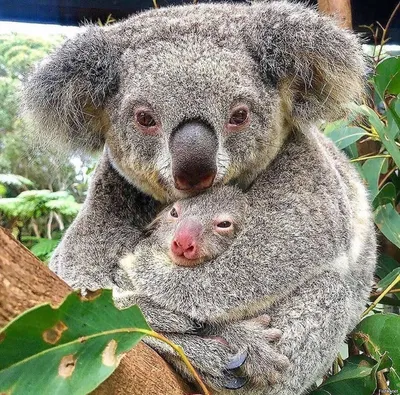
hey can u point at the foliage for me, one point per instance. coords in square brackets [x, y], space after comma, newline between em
[65, 340]
[370, 136]
[79, 347]
[39, 189]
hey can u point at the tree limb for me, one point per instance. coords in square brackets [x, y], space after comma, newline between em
[338, 8]
[26, 282]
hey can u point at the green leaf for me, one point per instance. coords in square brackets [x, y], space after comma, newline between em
[393, 117]
[392, 300]
[345, 136]
[387, 77]
[386, 195]
[372, 169]
[387, 280]
[357, 377]
[386, 264]
[382, 130]
[381, 333]
[387, 219]
[15, 180]
[67, 350]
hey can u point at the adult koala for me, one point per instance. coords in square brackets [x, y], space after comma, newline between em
[190, 97]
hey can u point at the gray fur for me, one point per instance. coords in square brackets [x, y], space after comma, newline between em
[308, 254]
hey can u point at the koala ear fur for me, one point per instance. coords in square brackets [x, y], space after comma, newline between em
[64, 97]
[319, 67]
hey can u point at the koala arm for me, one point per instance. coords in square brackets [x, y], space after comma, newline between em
[107, 227]
[314, 321]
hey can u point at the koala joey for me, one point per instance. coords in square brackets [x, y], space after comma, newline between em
[183, 236]
[185, 99]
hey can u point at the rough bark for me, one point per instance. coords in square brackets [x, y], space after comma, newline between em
[26, 282]
[340, 8]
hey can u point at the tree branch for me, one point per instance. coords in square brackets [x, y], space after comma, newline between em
[338, 8]
[26, 282]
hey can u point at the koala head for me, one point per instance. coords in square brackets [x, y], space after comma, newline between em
[194, 230]
[184, 98]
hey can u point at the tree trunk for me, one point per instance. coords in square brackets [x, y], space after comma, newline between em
[339, 8]
[26, 282]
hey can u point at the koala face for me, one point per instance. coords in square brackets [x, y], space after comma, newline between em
[189, 97]
[198, 229]
[189, 116]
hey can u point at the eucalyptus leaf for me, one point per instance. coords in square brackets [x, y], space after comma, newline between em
[371, 170]
[345, 136]
[383, 131]
[387, 219]
[357, 377]
[386, 195]
[386, 265]
[380, 333]
[387, 77]
[388, 279]
[393, 118]
[67, 350]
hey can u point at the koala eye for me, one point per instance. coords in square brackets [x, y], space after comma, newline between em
[145, 119]
[238, 118]
[224, 224]
[173, 213]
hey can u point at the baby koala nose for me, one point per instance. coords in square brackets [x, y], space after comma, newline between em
[185, 245]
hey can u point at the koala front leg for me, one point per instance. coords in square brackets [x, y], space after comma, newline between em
[107, 227]
[160, 319]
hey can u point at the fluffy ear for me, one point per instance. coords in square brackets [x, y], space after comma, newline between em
[319, 67]
[64, 97]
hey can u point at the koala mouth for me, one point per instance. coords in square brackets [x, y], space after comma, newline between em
[186, 262]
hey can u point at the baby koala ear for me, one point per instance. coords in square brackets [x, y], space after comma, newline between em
[318, 66]
[65, 96]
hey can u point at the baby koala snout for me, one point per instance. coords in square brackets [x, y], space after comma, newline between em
[185, 243]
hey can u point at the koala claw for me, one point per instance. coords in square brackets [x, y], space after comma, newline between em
[232, 382]
[237, 361]
[199, 328]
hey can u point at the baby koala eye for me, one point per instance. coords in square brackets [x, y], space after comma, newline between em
[224, 224]
[173, 213]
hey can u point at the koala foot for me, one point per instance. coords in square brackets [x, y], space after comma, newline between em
[264, 364]
[240, 354]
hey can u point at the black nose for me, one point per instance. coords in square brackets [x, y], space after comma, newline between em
[193, 148]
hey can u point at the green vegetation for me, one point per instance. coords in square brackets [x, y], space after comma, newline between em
[39, 191]
[78, 347]
[371, 139]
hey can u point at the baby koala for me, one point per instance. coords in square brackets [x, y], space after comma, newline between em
[191, 231]
[164, 281]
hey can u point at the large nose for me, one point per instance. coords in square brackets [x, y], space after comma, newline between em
[193, 147]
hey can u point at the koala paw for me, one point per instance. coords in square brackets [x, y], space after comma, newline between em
[264, 364]
[217, 364]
